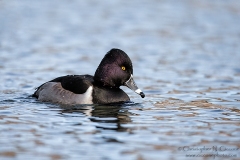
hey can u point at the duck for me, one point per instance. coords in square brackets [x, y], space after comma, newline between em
[114, 70]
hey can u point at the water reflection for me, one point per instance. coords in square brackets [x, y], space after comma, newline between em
[105, 116]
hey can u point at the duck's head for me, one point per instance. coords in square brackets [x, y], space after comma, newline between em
[116, 70]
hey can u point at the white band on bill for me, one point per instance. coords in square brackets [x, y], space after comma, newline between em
[138, 91]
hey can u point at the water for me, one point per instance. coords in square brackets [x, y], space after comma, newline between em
[186, 60]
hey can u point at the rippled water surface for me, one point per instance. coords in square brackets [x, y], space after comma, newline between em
[186, 57]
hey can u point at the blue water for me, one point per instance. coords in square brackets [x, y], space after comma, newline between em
[186, 58]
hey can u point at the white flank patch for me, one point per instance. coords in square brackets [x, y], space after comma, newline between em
[53, 92]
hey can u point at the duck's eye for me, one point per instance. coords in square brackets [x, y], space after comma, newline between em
[123, 68]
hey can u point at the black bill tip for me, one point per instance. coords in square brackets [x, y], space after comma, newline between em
[142, 94]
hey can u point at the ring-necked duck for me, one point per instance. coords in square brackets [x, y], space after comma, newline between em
[115, 70]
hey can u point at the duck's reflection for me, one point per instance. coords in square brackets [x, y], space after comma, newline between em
[106, 116]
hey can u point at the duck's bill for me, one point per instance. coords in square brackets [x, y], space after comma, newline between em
[132, 85]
